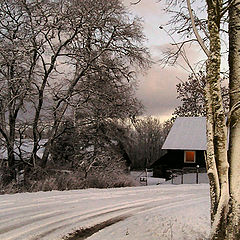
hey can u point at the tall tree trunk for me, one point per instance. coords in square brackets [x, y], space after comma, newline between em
[217, 162]
[10, 148]
[234, 140]
[11, 143]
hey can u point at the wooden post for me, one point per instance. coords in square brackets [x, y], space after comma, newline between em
[146, 177]
[172, 176]
[182, 177]
[197, 174]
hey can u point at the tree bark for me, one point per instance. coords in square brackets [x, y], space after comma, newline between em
[233, 228]
[217, 162]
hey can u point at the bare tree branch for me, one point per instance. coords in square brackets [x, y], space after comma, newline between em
[135, 3]
[199, 39]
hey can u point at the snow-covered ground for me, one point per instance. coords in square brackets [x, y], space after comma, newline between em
[174, 212]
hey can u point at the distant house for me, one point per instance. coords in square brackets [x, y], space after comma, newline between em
[23, 149]
[185, 145]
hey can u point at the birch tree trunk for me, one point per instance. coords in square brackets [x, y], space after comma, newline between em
[223, 165]
[216, 161]
[233, 229]
[225, 190]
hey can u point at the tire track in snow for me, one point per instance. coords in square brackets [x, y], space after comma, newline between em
[87, 232]
[19, 230]
[84, 233]
[40, 227]
[176, 204]
[6, 227]
[35, 213]
[68, 222]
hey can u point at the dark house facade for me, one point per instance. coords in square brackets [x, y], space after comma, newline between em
[185, 145]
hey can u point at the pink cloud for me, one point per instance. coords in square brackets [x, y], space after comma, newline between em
[157, 89]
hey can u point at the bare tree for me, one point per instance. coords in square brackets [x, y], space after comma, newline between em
[222, 165]
[108, 139]
[148, 137]
[192, 96]
[17, 62]
[75, 56]
[223, 188]
[225, 210]
[216, 160]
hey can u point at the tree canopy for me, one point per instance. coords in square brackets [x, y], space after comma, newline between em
[61, 58]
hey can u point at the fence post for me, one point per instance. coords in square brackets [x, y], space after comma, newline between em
[146, 177]
[182, 177]
[197, 174]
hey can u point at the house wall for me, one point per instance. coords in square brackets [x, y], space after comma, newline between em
[174, 159]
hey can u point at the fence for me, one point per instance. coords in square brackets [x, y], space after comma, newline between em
[188, 175]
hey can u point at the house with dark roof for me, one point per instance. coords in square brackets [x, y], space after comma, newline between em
[185, 145]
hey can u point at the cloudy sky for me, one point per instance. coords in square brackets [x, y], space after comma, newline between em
[157, 88]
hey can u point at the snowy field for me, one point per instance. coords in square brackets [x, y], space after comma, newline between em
[163, 212]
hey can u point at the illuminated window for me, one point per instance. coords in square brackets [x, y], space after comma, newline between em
[189, 156]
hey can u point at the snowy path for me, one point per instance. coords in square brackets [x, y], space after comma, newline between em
[149, 213]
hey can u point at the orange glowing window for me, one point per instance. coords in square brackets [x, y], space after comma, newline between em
[189, 156]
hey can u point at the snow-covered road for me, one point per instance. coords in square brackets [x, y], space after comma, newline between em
[147, 213]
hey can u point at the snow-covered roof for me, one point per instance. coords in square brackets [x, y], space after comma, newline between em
[187, 133]
[25, 147]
